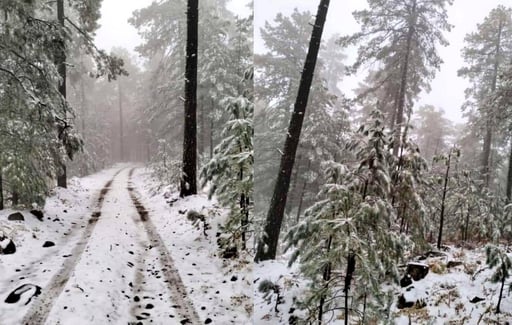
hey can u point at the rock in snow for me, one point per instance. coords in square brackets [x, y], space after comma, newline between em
[39, 214]
[17, 216]
[27, 290]
[7, 246]
[48, 244]
[417, 271]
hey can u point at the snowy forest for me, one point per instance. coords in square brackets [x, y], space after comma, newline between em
[372, 206]
[255, 162]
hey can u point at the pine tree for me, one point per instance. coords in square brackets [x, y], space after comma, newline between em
[231, 170]
[402, 36]
[486, 53]
[346, 232]
[37, 122]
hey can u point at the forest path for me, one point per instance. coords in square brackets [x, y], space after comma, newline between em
[119, 269]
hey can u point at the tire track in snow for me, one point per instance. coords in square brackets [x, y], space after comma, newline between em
[182, 303]
[41, 307]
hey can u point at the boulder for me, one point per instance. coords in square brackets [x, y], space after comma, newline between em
[403, 303]
[27, 290]
[7, 247]
[453, 264]
[48, 244]
[17, 216]
[476, 299]
[417, 271]
[38, 214]
[405, 281]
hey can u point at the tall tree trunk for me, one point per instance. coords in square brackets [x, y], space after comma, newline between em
[351, 266]
[188, 184]
[399, 108]
[200, 140]
[211, 128]
[327, 278]
[486, 153]
[293, 187]
[501, 295]
[61, 66]
[301, 198]
[15, 198]
[1, 190]
[443, 200]
[121, 122]
[267, 245]
[509, 175]
[244, 210]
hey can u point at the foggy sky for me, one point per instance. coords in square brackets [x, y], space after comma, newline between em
[115, 31]
[447, 89]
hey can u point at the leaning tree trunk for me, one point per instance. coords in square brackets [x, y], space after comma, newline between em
[267, 245]
[399, 108]
[61, 67]
[188, 184]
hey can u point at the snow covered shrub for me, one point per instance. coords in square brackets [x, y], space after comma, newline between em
[345, 243]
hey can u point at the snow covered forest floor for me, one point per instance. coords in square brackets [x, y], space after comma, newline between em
[123, 253]
[456, 290]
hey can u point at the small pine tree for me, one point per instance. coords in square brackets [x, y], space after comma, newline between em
[348, 230]
[230, 171]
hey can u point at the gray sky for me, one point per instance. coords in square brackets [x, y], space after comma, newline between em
[447, 89]
[115, 31]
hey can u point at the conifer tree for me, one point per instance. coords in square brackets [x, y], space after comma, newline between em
[403, 36]
[347, 230]
[487, 53]
[231, 169]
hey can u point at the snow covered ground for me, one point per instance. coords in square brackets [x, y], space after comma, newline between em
[122, 255]
[447, 292]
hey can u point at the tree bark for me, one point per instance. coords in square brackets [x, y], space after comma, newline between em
[1, 190]
[188, 184]
[302, 192]
[445, 189]
[501, 295]
[399, 109]
[351, 266]
[509, 175]
[486, 153]
[267, 245]
[327, 278]
[211, 130]
[61, 67]
[121, 126]
[293, 187]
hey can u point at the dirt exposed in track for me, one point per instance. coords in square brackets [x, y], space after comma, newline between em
[41, 307]
[182, 303]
